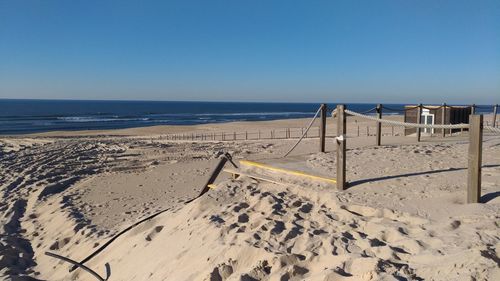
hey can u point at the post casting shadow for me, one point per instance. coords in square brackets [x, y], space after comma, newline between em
[358, 182]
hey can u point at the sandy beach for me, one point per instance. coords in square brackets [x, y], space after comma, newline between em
[403, 216]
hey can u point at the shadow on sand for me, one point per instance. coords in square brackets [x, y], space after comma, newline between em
[358, 182]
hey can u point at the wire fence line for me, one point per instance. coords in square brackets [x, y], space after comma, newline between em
[357, 129]
[283, 133]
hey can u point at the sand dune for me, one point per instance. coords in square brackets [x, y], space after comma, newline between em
[403, 218]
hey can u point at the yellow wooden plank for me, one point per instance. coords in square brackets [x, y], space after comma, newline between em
[256, 177]
[291, 172]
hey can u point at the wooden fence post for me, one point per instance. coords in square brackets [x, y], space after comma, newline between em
[475, 158]
[473, 109]
[341, 147]
[379, 125]
[419, 116]
[322, 128]
[443, 117]
[213, 176]
[495, 109]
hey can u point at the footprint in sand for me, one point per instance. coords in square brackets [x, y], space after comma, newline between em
[243, 218]
[221, 272]
[240, 206]
[155, 232]
[59, 244]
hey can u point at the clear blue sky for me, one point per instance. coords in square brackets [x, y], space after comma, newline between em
[252, 50]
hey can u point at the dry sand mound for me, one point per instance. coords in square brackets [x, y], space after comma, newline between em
[44, 206]
[249, 231]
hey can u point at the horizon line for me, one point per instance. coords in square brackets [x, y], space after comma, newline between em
[218, 101]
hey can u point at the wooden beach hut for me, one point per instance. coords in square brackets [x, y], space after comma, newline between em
[432, 114]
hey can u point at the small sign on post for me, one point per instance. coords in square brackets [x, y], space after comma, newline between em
[341, 147]
[475, 158]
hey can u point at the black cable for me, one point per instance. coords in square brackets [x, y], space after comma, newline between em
[78, 264]
[118, 235]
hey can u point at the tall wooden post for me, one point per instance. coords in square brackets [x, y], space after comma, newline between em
[495, 109]
[443, 118]
[379, 125]
[322, 128]
[475, 157]
[419, 116]
[341, 147]
[473, 109]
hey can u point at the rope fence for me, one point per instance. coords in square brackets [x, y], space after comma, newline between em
[314, 132]
[305, 133]
[405, 124]
[396, 110]
[492, 129]
[475, 133]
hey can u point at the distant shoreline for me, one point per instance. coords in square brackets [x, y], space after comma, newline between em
[38, 116]
[21, 117]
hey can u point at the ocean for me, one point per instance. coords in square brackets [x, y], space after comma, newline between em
[32, 116]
